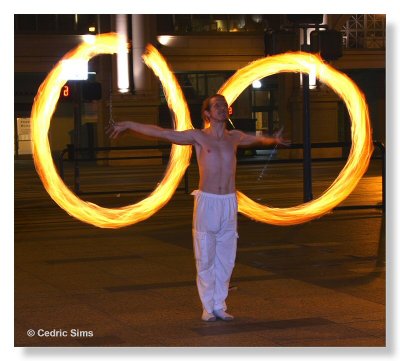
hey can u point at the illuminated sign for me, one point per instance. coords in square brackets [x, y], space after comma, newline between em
[91, 90]
[66, 93]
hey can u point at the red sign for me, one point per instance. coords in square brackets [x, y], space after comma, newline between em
[66, 93]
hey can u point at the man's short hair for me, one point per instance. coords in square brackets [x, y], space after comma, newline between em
[206, 106]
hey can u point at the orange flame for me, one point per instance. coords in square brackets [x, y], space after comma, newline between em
[361, 149]
[43, 109]
[48, 94]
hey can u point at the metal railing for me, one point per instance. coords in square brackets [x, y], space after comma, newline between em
[72, 152]
[343, 145]
[72, 157]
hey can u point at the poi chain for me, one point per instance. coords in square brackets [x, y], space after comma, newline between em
[49, 92]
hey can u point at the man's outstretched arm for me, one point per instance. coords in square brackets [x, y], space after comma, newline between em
[185, 137]
[249, 140]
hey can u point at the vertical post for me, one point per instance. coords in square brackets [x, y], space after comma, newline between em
[122, 56]
[187, 180]
[130, 55]
[77, 132]
[382, 240]
[271, 113]
[16, 136]
[307, 176]
[383, 150]
[61, 165]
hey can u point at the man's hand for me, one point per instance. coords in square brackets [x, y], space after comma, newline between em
[117, 128]
[246, 140]
[280, 140]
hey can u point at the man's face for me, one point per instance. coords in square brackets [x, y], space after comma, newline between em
[218, 110]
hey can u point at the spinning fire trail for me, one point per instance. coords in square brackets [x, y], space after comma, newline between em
[48, 94]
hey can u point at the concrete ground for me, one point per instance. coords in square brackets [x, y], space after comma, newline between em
[317, 284]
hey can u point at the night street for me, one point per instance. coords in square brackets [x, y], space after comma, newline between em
[317, 284]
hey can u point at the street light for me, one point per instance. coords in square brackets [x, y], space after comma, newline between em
[75, 69]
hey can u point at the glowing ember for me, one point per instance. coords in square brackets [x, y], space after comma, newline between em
[43, 109]
[361, 150]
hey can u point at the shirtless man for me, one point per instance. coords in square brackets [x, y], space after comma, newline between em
[215, 209]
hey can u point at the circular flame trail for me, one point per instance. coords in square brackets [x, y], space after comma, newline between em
[48, 94]
[43, 109]
[360, 152]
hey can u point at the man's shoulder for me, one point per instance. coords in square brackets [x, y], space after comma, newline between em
[197, 132]
[235, 133]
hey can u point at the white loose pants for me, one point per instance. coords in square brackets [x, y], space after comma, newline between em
[214, 242]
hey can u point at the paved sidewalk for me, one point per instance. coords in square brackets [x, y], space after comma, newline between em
[317, 284]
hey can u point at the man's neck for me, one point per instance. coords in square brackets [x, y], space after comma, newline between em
[217, 129]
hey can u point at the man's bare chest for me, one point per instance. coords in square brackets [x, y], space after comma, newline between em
[215, 150]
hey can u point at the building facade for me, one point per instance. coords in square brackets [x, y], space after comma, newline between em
[203, 51]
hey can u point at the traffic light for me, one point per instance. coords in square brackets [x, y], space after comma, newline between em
[66, 93]
[278, 42]
[91, 90]
[328, 43]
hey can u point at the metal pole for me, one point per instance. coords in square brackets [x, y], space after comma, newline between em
[187, 181]
[61, 165]
[383, 150]
[77, 132]
[307, 176]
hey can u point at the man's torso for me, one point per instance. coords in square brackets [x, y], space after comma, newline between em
[216, 159]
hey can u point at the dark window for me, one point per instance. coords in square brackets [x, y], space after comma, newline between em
[47, 23]
[66, 23]
[26, 23]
